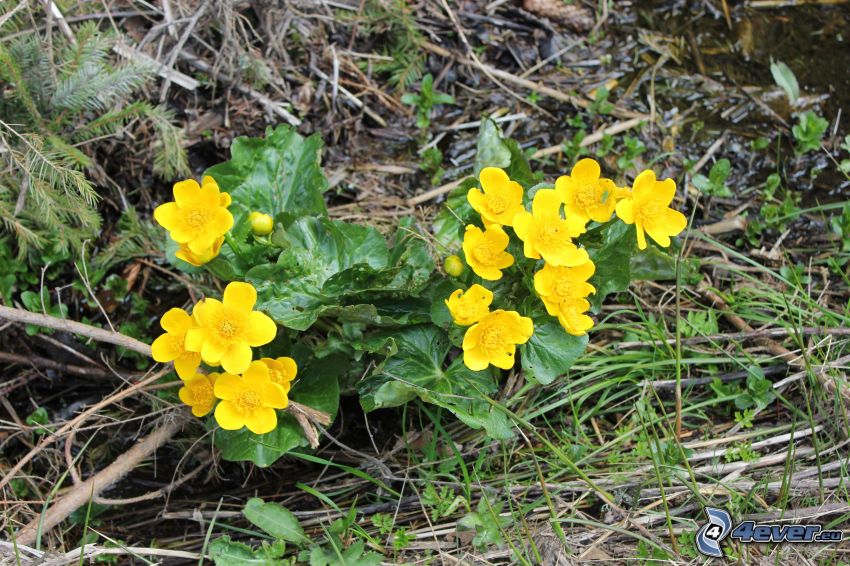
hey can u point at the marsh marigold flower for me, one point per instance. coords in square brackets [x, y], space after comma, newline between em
[586, 195]
[198, 217]
[493, 339]
[228, 329]
[500, 200]
[485, 251]
[281, 371]
[171, 346]
[249, 400]
[547, 235]
[648, 208]
[557, 284]
[469, 307]
[197, 392]
[200, 259]
[572, 318]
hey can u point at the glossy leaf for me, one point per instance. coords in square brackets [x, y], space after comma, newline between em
[275, 519]
[551, 351]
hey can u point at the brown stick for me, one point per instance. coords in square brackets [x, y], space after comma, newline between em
[80, 494]
[37, 361]
[99, 334]
[50, 439]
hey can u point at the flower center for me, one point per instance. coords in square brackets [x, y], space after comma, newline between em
[227, 328]
[276, 376]
[497, 204]
[492, 338]
[588, 196]
[248, 400]
[178, 342]
[202, 393]
[197, 217]
[647, 212]
[485, 253]
[549, 234]
[466, 310]
[564, 288]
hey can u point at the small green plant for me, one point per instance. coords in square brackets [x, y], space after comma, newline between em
[276, 521]
[745, 418]
[715, 184]
[334, 551]
[600, 104]
[487, 523]
[39, 419]
[758, 391]
[840, 226]
[808, 132]
[742, 451]
[632, 148]
[432, 164]
[426, 100]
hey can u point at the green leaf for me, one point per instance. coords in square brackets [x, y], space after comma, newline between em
[784, 77]
[317, 386]
[414, 369]
[275, 519]
[226, 552]
[551, 351]
[492, 150]
[278, 173]
[612, 260]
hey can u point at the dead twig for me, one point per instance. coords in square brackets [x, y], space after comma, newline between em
[99, 334]
[80, 494]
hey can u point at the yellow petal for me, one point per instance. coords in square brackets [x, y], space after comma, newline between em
[228, 386]
[673, 222]
[475, 359]
[546, 201]
[274, 396]
[522, 224]
[641, 238]
[290, 368]
[168, 215]
[202, 409]
[165, 348]
[257, 375]
[206, 311]
[585, 171]
[213, 350]
[224, 199]
[472, 336]
[503, 359]
[195, 338]
[493, 179]
[176, 321]
[186, 396]
[186, 193]
[658, 234]
[497, 237]
[644, 186]
[261, 420]
[209, 196]
[626, 211]
[476, 200]
[228, 416]
[576, 225]
[664, 191]
[240, 295]
[237, 359]
[187, 364]
[480, 294]
[261, 329]
[221, 222]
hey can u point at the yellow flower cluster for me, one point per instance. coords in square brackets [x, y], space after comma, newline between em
[492, 336]
[197, 219]
[222, 333]
[562, 282]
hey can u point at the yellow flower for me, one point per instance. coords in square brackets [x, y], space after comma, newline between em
[501, 199]
[648, 208]
[485, 251]
[546, 234]
[494, 338]
[197, 392]
[200, 259]
[228, 329]
[558, 284]
[281, 371]
[572, 318]
[171, 346]
[198, 217]
[585, 194]
[470, 307]
[250, 400]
